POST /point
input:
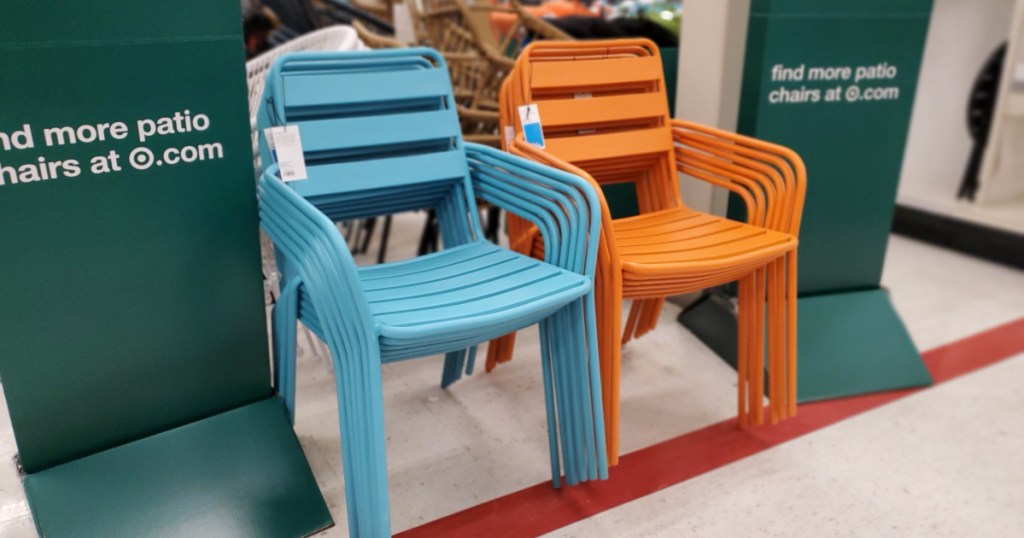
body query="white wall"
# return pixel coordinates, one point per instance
(961, 36)
(711, 50)
(1002, 176)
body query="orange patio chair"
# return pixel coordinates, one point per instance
(605, 117)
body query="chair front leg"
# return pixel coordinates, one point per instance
(608, 298)
(363, 454)
(284, 318)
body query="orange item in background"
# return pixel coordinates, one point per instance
(502, 22)
(605, 117)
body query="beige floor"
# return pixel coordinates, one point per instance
(948, 461)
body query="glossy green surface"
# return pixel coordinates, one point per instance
(134, 356)
(854, 343)
(132, 300)
(853, 150)
(238, 474)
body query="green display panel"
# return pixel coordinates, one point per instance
(131, 287)
(240, 473)
(835, 81)
(854, 343)
(134, 350)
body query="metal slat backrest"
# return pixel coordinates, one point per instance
(379, 130)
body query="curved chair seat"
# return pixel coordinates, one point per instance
(479, 288)
(457, 298)
(678, 243)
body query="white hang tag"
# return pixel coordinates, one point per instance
(403, 23)
(269, 137)
(286, 147)
(529, 118)
(510, 135)
(1018, 73)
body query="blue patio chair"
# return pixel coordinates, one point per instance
(380, 135)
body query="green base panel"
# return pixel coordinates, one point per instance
(621, 198)
(241, 473)
(848, 343)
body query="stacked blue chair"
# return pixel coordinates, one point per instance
(380, 135)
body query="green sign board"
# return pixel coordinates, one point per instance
(835, 81)
(131, 299)
(128, 221)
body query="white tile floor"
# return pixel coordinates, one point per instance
(948, 461)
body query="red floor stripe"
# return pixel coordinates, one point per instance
(540, 509)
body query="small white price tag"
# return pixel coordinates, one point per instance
(269, 137)
(529, 118)
(1018, 73)
(286, 146)
(510, 135)
(402, 18)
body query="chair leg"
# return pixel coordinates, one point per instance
(428, 240)
(570, 358)
(550, 357)
(776, 344)
(500, 350)
(757, 305)
(369, 225)
(493, 220)
(643, 318)
(453, 363)
(594, 372)
(549, 406)
(571, 423)
(364, 459)
(471, 360)
(577, 360)
(743, 352)
(631, 320)
(791, 340)
(284, 317)
(649, 317)
(608, 299)
(385, 234)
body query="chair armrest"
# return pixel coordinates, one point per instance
(771, 179)
(314, 249)
(564, 207)
(608, 251)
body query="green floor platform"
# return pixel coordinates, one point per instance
(237, 474)
(848, 343)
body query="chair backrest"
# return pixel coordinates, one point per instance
(332, 38)
(379, 132)
(603, 108)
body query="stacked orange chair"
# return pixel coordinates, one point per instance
(605, 117)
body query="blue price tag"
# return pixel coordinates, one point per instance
(529, 118)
